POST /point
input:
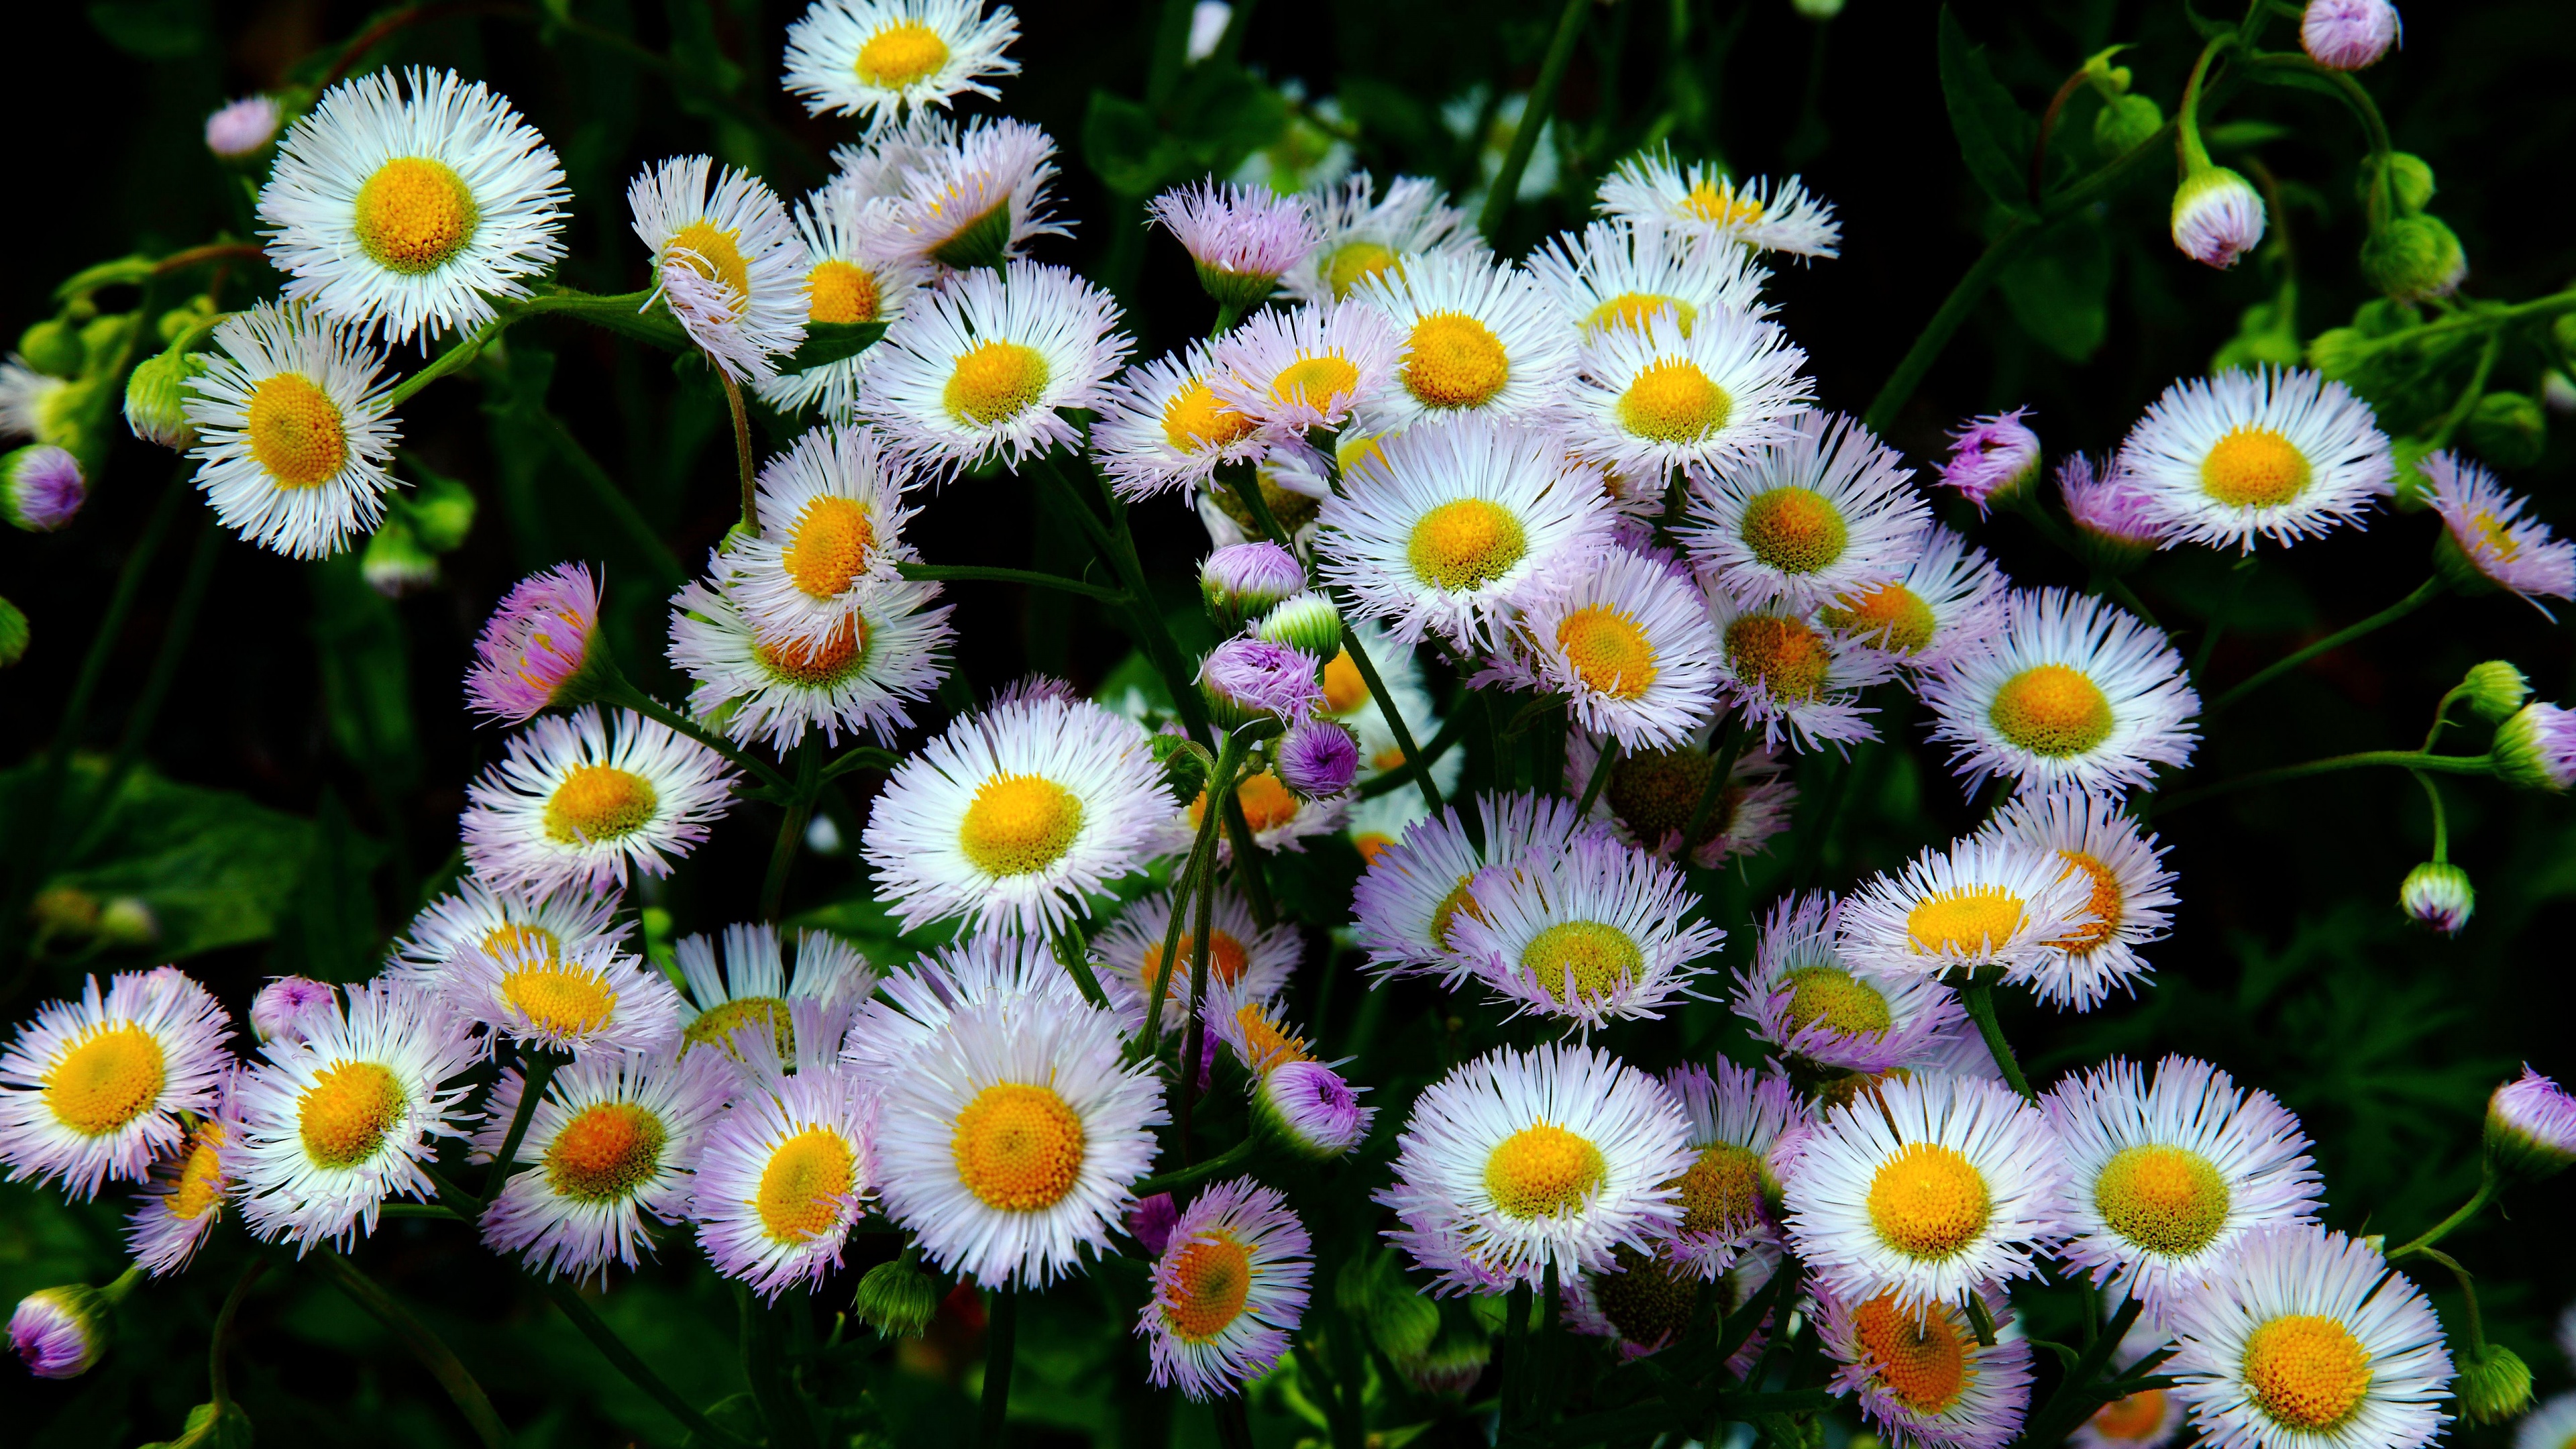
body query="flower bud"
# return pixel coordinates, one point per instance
(2508, 429)
(1151, 1221)
(1455, 1360)
(2438, 894)
(2494, 1385)
(2348, 34)
(1185, 768)
(1306, 1109)
(53, 347)
(156, 396)
(2414, 257)
(279, 1011)
(1245, 680)
(442, 513)
(1242, 580)
(2110, 514)
(1993, 459)
(1307, 623)
(2217, 217)
(1318, 759)
(128, 921)
(14, 633)
(541, 647)
(1373, 1290)
(2409, 180)
(2536, 748)
(2495, 689)
(1240, 237)
(2412, 488)
(2531, 1128)
(41, 487)
(61, 1333)
(2125, 122)
(2338, 352)
(394, 563)
(240, 131)
(897, 1299)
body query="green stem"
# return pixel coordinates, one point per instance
(1515, 1353)
(2470, 394)
(2071, 1403)
(1418, 767)
(2487, 1185)
(791, 832)
(668, 574)
(156, 685)
(540, 1070)
(1069, 954)
(1245, 480)
(1181, 1177)
(433, 1353)
(622, 692)
(780, 1409)
(1811, 847)
(2441, 825)
(2424, 594)
(2400, 759)
(2195, 156)
(1978, 995)
(2468, 1292)
(741, 448)
(1534, 117)
(2216, 628)
(961, 572)
(1118, 550)
(1394, 717)
(637, 1372)
(218, 1378)
(1600, 776)
(2478, 319)
(1721, 766)
(1249, 874)
(1194, 1032)
(1001, 1329)
(1201, 862)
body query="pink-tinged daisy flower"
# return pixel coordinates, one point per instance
(1985, 901)
(2531, 1126)
(832, 516)
(880, 60)
(1700, 199)
(583, 799)
(1361, 238)
(613, 1139)
(1258, 1033)
(2163, 1177)
(1310, 1110)
(1815, 1009)
(1620, 274)
(1244, 679)
(241, 129)
(2487, 539)
(500, 919)
(294, 433)
(1743, 1126)
(887, 652)
(1594, 932)
(1011, 1143)
(2073, 693)
(2112, 514)
(1993, 459)
(336, 1123)
(1651, 396)
(726, 261)
(2348, 34)
(540, 649)
(983, 368)
(2550, 1426)
(1653, 793)
(1628, 644)
(1229, 1287)
(1242, 238)
(2217, 216)
(884, 163)
(2147, 1419)
(2283, 455)
(62, 1332)
(913, 1006)
(974, 203)
(281, 1006)
(1520, 1160)
(1318, 760)
(780, 1177)
(1477, 336)
(1243, 959)
(1162, 426)
(2535, 748)
(2303, 1339)
(1796, 678)
(188, 1191)
(41, 488)
(1823, 512)
(91, 1091)
(1949, 598)
(1294, 369)
(753, 988)
(845, 282)
(2130, 893)
(1923, 1189)
(1919, 1374)
(592, 1000)
(1410, 900)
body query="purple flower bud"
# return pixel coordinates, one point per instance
(2348, 34)
(2217, 217)
(2536, 748)
(2531, 1127)
(238, 131)
(1151, 1222)
(1247, 679)
(1310, 1108)
(1245, 579)
(1993, 459)
(1318, 759)
(534, 650)
(2439, 895)
(60, 1332)
(2109, 510)
(1241, 237)
(41, 487)
(284, 1004)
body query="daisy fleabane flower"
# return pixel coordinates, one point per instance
(1824, 511)
(1253, 963)
(347, 1116)
(1797, 679)
(831, 519)
(1654, 189)
(2163, 1177)
(1629, 645)
(1919, 1374)
(2130, 891)
(1993, 459)
(913, 1006)
(780, 1178)
(189, 1189)
(886, 652)
(1363, 235)
(1653, 396)
(1477, 336)
(410, 204)
(478, 915)
(845, 282)
(879, 59)
(2530, 1128)
(1229, 1287)
(1619, 274)
(2072, 692)
(983, 368)
(613, 1139)
(2489, 540)
(2283, 455)
(538, 648)
(1162, 426)
(91, 1091)
(1410, 900)
(1813, 1008)
(2304, 1339)
(1923, 1189)
(1012, 1141)
(1241, 238)
(753, 986)
(973, 202)
(726, 261)
(1742, 1124)
(2111, 513)
(1596, 931)
(1985, 901)
(1519, 1160)
(1949, 598)
(294, 433)
(1293, 369)
(591, 999)
(584, 799)
(240, 130)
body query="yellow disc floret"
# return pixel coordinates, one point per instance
(1344, 689)
(1890, 616)
(901, 54)
(717, 1024)
(1843, 1003)
(1633, 309)
(1019, 824)
(1718, 202)
(1722, 1190)
(1018, 1147)
(1672, 401)
(559, 999)
(2052, 710)
(807, 1184)
(829, 545)
(1599, 958)
(1608, 651)
(1315, 381)
(599, 802)
(1928, 1201)
(1355, 262)
(819, 662)
(1544, 1171)
(296, 431)
(511, 941)
(1226, 958)
(2163, 1198)
(1196, 420)
(1965, 921)
(839, 291)
(606, 1153)
(714, 253)
(201, 1178)
(2306, 1371)
(1465, 544)
(2254, 468)
(110, 1076)
(1923, 1361)
(1454, 361)
(346, 1114)
(1795, 530)
(414, 215)
(1783, 655)
(1444, 916)
(2103, 902)
(1210, 1281)
(995, 382)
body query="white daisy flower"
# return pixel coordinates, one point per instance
(1920, 1376)
(781, 1176)
(1948, 599)
(1229, 1288)
(1409, 899)
(1795, 678)
(1012, 1143)
(2489, 539)
(2163, 1179)
(189, 1189)
(582, 799)
(1294, 369)
(974, 203)
(1243, 959)
(1985, 901)
(1162, 426)
(499, 920)
(753, 986)
(1923, 1189)
(884, 655)
(1449, 527)
(726, 261)
(2130, 887)
(1652, 397)
(914, 1005)
(2281, 455)
(1364, 238)
(1699, 199)
(1743, 1125)
(293, 434)
(1477, 336)
(613, 1139)
(1827, 512)
(346, 1115)
(2304, 1339)
(831, 520)
(1518, 1161)
(1374, 824)
(1628, 644)
(1652, 794)
(2070, 692)
(984, 367)
(1014, 816)
(844, 283)
(91, 1091)
(590, 1000)
(884, 163)
(1594, 932)
(1810, 1006)
(877, 59)
(408, 205)
(1620, 274)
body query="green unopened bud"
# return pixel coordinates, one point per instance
(212, 1426)
(2111, 80)
(2438, 894)
(2495, 689)
(2410, 183)
(14, 633)
(2563, 332)
(2414, 491)
(2125, 123)
(2509, 429)
(1241, 291)
(127, 921)
(1307, 623)
(176, 322)
(395, 564)
(442, 513)
(897, 1299)
(2337, 352)
(2414, 257)
(156, 396)
(1185, 765)
(104, 336)
(1403, 1322)
(2494, 1385)
(52, 347)
(1454, 1361)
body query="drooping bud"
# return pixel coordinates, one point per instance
(1373, 1291)
(394, 563)
(62, 1332)
(156, 396)
(52, 346)
(1307, 623)
(442, 513)
(2110, 513)
(1245, 680)
(541, 647)
(2494, 1385)
(278, 1012)
(896, 1298)
(2536, 748)
(2438, 894)
(128, 921)
(1308, 1110)
(1243, 580)
(1455, 1360)
(14, 633)
(2495, 689)
(41, 487)
(2217, 216)
(2508, 429)
(243, 129)
(2409, 180)
(2125, 122)
(1318, 759)
(2414, 257)
(2531, 1128)
(2348, 34)
(1993, 459)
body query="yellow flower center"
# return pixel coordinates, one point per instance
(1444, 916)
(717, 1024)
(1195, 421)
(1847, 1005)
(2254, 468)
(1316, 381)
(1266, 1043)
(1226, 958)
(1344, 689)
(1784, 656)
(296, 431)
(2165, 1199)
(1018, 1148)
(1291, 510)
(839, 291)
(802, 1191)
(1597, 957)
(1608, 651)
(1794, 530)
(111, 1075)
(511, 941)
(715, 254)
(1922, 1361)
(2103, 901)
(1544, 1171)
(2133, 1417)
(1965, 921)
(415, 214)
(1928, 1201)
(829, 546)
(201, 1177)
(1654, 792)
(1211, 1281)
(2306, 1371)
(2491, 536)
(1454, 361)
(564, 1000)
(346, 1114)
(606, 1153)
(1633, 309)
(1355, 262)
(901, 54)
(1717, 202)
(1370, 845)
(599, 802)
(995, 382)
(1266, 803)
(818, 663)
(1722, 1190)
(1465, 544)
(1672, 401)
(1890, 616)
(2052, 710)
(1019, 824)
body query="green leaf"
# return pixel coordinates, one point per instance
(155, 29)
(330, 934)
(1124, 148)
(1996, 136)
(1225, 113)
(830, 342)
(2059, 289)
(212, 1426)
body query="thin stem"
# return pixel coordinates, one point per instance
(1515, 1355)
(1249, 876)
(2442, 714)
(2425, 593)
(741, 449)
(791, 832)
(1194, 1035)
(669, 575)
(1245, 480)
(1154, 635)
(1534, 117)
(2195, 156)
(433, 1353)
(540, 1070)
(960, 572)
(637, 1372)
(1394, 717)
(1069, 954)
(2468, 320)
(2048, 127)
(2469, 395)
(2468, 1292)
(1181, 1177)
(1202, 861)
(218, 1377)
(1600, 776)
(1001, 1328)
(460, 352)
(1721, 767)
(223, 253)
(156, 685)
(2127, 598)
(1811, 848)
(2441, 824)
(779, 1407)
(1979, 997)
(2216, 628)
(1452, 730)
(2401, 759)
(2487, 1185)
(621, 692)
(2071, 1402)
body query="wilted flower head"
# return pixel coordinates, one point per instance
(2348, 34)
(2217, 216)
(41, 487)
(1993, 459)
(1246, 679)
(239, 131)
(538, 648)
(1241, 237)
(2531, 1127)
(2438, 894)
(1318, 759)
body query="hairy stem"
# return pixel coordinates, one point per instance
(2425, 593)
(432, 1351)
(2487, 1186)
(540, 1070)
(1394, 717)
(1001, 1329)
(2400, 759)
(1978, 995)
(218, 1376)
(1534, 117)
(959, 572)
